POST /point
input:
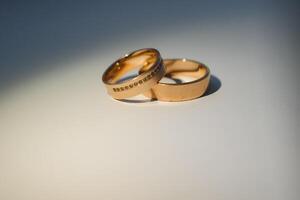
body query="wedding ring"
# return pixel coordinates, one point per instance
(153, 70)
(176, 68)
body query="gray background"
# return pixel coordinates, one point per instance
(63, 137)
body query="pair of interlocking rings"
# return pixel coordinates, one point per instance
(152, 68)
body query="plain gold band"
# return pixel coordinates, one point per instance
(181, 91)
(153, 70)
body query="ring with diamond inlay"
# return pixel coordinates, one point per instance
(153, 70)
(175, 69)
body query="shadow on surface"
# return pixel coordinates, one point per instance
(214, 85)
(136, 100)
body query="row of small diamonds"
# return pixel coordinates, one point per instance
(140, 82)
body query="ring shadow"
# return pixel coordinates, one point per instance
(214, 85)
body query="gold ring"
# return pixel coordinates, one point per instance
(176, 68)
(153, 70)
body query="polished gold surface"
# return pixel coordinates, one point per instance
(153, 70)
(177, 68)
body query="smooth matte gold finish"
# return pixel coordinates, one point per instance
(153, 70)
(176, 68)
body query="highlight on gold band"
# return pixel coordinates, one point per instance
(176, 69)
(153, 70)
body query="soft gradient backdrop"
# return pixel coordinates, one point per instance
(63, 138)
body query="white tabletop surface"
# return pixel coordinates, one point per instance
(63, 137)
